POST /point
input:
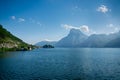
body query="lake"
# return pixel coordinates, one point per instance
(61, 64)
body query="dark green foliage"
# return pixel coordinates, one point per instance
(7, 38)
(6, 34)
(48, 46)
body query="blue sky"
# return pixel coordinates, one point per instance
(37, 20)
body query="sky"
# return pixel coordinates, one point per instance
(37, 20)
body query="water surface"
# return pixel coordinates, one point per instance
(61, 64)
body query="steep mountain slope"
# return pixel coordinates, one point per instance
(74, 39)
(7, 40)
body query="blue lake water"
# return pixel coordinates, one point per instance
(61, 64)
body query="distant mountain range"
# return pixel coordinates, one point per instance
(9, 42)
(46, 42)
(114, 43)
(76, 38)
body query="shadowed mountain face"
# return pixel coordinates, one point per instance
(95, 41)
(77, 39)
(113, 43)
(74, 39)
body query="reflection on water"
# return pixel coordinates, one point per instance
(61, 64)
(6, 54)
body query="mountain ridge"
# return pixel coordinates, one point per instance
(73, 39)
(79, 39)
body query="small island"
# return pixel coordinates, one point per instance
(47, 46)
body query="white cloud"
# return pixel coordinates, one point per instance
(18, 19)
(116, 29)
(103, 9)
(21, 20)
(110, 25)
(112, 28)
(13, 17)
(34, 21)
(68, 26)
(47, 40)
(83, 28)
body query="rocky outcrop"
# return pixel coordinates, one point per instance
(8, 45)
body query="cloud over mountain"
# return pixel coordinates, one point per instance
(83, 28)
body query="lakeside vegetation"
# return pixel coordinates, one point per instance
(48, 46)
(9, 42)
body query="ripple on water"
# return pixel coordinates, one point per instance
(62, 64)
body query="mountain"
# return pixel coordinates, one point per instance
(10, 42)
(73, 39)
(46, 42)
(77, 39)
(113, 43)
(95, 40)
(101, 40)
